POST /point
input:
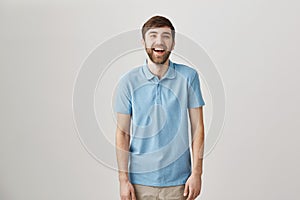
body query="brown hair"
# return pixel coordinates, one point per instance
(157, 22)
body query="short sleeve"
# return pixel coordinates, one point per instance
(123, 98)
(195, 98)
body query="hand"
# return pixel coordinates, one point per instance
(127, 190)
(192, 186)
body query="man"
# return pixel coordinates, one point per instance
(154, 160)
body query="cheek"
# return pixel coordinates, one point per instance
(148, 43)
(172, 45)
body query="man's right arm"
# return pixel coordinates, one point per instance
(122, 149)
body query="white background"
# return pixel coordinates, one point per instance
(254, 45)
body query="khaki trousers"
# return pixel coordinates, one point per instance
(143, 192)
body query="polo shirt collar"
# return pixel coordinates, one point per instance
(170, 74)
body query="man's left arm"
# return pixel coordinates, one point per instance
(193, 184)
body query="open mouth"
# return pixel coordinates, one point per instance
(158, 50)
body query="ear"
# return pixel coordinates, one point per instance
(143, 42)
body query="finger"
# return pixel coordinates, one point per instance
(197, 194)
(191, 195)
(124, 198)
(133, 197)
(186, 190)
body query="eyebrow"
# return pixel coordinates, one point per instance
(162, 32)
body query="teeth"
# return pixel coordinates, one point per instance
(158, 49)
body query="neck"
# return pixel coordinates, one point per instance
(158, 69)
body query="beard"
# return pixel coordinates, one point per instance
(158, 59)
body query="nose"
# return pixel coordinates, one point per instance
(159, 40)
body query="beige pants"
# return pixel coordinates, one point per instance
(143, 192)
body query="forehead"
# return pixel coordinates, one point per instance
(160, 30)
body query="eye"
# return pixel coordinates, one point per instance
(166, 36)
(152, 36)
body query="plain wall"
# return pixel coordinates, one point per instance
(254, 45)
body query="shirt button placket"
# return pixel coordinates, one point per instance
(158, 88)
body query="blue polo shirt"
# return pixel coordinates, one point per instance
(159, 142)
